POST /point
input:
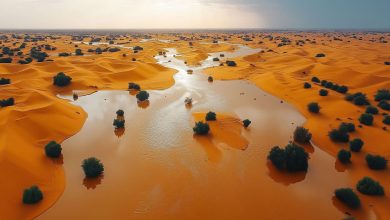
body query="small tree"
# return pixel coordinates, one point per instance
(315, 79)
(338, 135)
(386, 120)
(366, 119)
(79, 52)
(32, 195)
(120, 112)
(320, 55)
(211, 116)
(231, 63)
(313, 107)
(369, 186)
(348, 197)
(382, 94)
(61, 79)
(201, 128)
(323, 92)
(210, 79)
(4, 81)
(134, 86)
(119, 123)
(342, 89)
(356, 145)
(376, 162)
(302, 135)
(142, 96)
(371, 110)
(246, 122)
(384, 105)
(347, 127)
(92, 167)
(7, 102)
(344, 156)
(53, 149)
(293, 158)
(307, 85)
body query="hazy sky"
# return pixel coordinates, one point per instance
(59, 14)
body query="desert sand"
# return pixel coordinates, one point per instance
(39, 116)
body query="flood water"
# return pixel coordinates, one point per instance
(157, 169)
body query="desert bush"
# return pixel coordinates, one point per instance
(210, 79)
(376, 162)
(32, 195)
(64, 54)
(201, 128)
(358, 98)
(79, 52)
(292, 158)
(215, 59)
(113, 49)
(366, 119)
(344, 156)
(302, 135)
(315, 79)
(369, 186)
(136, 48)
(7, 102)
(92, 167)
(372, 110)
(313, 107)
(384, 105)
(119, 123)
(120, 112)
(382, 94)
(142, 96)
(61, 79)
(246, 122)
(323, 92)
(338, 135)
(6, 60)
(342, 89)
(386, 119)
(231, 63)
(320, 55)
(211, 116)
(356, 145)
(134, 86)
(347, 127)
(307, 85)
(53, 149)
(4, 81)
(348, 197)
(329, 85)
(324, 82)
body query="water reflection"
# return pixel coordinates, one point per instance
(119, 132)
(143, 104)
(284, 177)
(92, 183)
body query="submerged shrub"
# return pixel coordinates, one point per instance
(142, 96)
(7, 102)
(53, 149)
(313, 107)
(376, 162)
(307, 85)
(201, 128)
(292, 158)
(386, 119)
(61, 79)
(344, 156)
(315, 79)
(92, 167)
(369, 186)
(32, 195)
(356, 145)
(302, 135)
(120, 112)
(119, 123)
(211, 116)
(338, 135)
(134, 86)
(347, 127)
(348, 197)
(371, 110)
(384, 105)
(366, 119)
(4, 81)
(382, 94)
(246, 122)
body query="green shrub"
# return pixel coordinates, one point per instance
(79, 52)
(6, 60)
(92, 167)
(313, 107)
(61, 79)
(302, 135)
(382, 94)
(366, 119)
(338, 135)
(371, 110)
(201, 128)
(356, 145)
(134, 86)
(120, 112)
(53, 149)
(7, 102)
(347, 127)
(329, 85)
(246, 122)
(211, 116)
(383, 104)
(348, 197)
(142, 96)
(231, 63)
(358, 98)
(4, 81)
(342, 89)
(32, 195)
(210, 79)
(293, 158)
(369, 186)
(324, 82)
(376, 162)
(320, 55)
(344, 156)
(119, 123)
(315, 79)
(323, 92)
(307, 85)
(386, 119)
